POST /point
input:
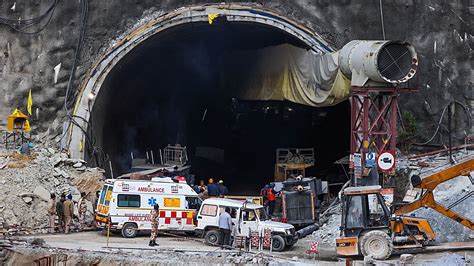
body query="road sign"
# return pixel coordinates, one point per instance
(357, 165)
(386, 161)
(370, 160)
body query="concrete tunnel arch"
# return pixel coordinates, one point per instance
(195, 14)
(237, 13)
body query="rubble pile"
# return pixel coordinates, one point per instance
(26, 182)
(329, 230)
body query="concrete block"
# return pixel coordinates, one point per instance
(406, 259)
(42, 193)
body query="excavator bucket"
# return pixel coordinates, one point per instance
(347, 246)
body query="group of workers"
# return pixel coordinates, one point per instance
(64, 211)
(211, 190)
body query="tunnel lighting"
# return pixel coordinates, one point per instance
(91, 96)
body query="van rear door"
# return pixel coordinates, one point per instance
(208, 216)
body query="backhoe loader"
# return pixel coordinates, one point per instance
(368, 227)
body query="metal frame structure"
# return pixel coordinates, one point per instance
(373, 120)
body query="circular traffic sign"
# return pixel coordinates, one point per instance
(386, 161)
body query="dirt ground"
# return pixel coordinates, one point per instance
(172, 250)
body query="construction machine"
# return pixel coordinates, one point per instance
(369, 227)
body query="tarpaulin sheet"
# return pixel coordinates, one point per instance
(286, 72)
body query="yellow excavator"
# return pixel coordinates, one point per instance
(368, 227)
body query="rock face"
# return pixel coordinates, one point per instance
(41, 62)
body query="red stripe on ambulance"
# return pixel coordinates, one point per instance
(167, 217)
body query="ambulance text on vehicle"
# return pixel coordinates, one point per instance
(128, 203)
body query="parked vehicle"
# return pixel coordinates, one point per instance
(246, 217)
(127, 203)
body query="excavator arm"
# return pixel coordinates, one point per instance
(428, 184)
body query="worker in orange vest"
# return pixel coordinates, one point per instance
(271, 198)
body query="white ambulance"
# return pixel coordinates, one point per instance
(128, 203)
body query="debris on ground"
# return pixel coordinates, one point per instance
(26, 182)
(29, 253)
(448, 259)
(329, 230)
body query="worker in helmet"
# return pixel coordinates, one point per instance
(222, 189)
(212, 189)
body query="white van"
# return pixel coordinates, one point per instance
(246, 217)
(128, 204)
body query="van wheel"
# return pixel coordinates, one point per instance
(278, 243)
(129, 230)
(213, 237)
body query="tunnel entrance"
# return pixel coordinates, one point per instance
(173, 88)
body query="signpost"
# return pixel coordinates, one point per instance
(386, 161)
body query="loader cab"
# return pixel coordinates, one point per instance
(363, 208)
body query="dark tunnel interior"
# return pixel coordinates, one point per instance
(170, 90)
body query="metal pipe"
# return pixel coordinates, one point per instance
(161, 157)
(450, 135)
(303, 232)
(111, 170)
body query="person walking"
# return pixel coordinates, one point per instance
(60, 212)
(212, 189)
(52, 212)
(223, 191)
(225, 227)
(271, 198)
(154, 225)
(82, 210)
(68, 208)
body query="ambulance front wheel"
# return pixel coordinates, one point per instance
(129, 230)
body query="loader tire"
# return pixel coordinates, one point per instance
(377, 244)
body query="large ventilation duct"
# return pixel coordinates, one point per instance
(378, 61)
(298, 75)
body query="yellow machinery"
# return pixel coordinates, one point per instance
(369, 228)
